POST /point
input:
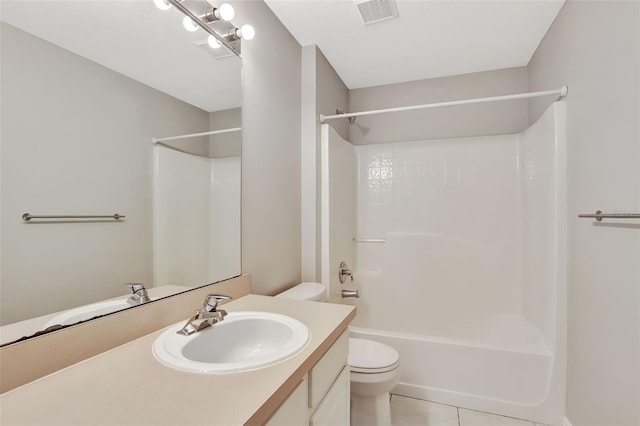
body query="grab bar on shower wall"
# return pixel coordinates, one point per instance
(27, 217)
(369, 240)
(598, 215)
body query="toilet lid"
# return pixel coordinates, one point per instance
(367, 356)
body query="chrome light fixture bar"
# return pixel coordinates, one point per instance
(212, 15)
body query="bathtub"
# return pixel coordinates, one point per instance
(458, 248)
(511, 374)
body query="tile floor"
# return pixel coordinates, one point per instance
(415, 412)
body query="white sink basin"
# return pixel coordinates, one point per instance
(86, 312)
(243, 341)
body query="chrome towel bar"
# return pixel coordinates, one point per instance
(598, 215)
(27, 217)
(368, 240)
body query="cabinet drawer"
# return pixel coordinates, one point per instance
(324, 373)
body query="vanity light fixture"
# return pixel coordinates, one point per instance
(189, 24)
(225, 12)
(215, 20)
(162, 4)
(213, 42)
(247, 32)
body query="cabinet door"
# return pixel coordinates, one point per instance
(324, 373)
(334, 408)
(294, 411)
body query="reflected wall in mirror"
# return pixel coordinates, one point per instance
(85, 88)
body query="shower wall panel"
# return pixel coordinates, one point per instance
(194, 241)
(224, 223)
(450, 214)
(542, 161)
(181, 213)
(461, 262)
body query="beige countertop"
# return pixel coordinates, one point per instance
(128, 386)
(16, 330)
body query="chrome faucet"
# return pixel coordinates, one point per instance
(139, 294)
(206, 316)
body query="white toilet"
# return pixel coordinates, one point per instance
(374, 367)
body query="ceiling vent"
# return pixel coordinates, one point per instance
(373, 11)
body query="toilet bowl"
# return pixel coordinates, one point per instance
(374, 372)
(374, 367)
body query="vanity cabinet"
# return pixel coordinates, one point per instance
(322, 398)
(294, 411)
(333, 410)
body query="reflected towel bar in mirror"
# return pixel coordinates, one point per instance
(368, 240)
(599, 215)
(27, 217)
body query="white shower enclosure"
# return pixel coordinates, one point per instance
(458, 252)
(196, 218)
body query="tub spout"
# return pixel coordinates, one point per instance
(351, 293)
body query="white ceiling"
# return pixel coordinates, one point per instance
(137, 40)
(429, 38)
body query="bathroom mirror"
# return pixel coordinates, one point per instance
(87, 88)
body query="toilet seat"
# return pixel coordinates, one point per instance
(370, 357)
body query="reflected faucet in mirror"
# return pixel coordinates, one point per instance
(139, 294)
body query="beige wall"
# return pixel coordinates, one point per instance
(309, 205)
(225, 144)
(323, 91)
(594, 47)
(76, 139)
(270, 151)
(331, 94)
(460, 121)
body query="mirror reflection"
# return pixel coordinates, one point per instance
(93, 96)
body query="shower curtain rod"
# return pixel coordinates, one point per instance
(562, 92)
(193, 135)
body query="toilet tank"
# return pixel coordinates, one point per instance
(305, 291)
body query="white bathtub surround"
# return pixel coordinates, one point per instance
(469, 284)
(338, 193)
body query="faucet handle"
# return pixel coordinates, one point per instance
(135, 287)
(139, 294)
(212, 300)
(344, 272)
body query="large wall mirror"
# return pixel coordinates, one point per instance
(93, 94)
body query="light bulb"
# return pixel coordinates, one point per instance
(162, 4)
(226, 12)
(189, 25)
(213, 42)
(247, 32)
